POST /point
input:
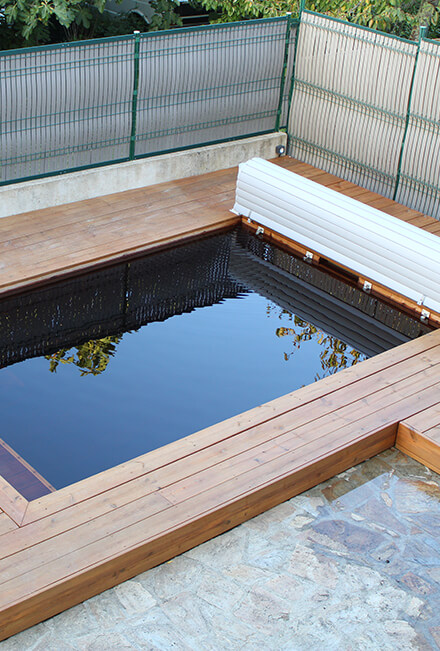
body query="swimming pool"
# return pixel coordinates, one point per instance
(104, 367)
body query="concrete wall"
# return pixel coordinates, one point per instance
(66, 188)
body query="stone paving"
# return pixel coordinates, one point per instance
(352, 564)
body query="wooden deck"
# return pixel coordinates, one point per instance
(59, 549)
(46, 244)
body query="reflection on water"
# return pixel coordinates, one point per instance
(146, 352)
(91, 357)
(335, 354)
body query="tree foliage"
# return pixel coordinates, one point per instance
(165, 15)
(91, 358)
(232, 10)
(29, 15)
(401, 17)
(36, 22)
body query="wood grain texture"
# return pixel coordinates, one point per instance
(59, 549)
(424, 448)
(12, 502)
(6, 523)
(426, 420)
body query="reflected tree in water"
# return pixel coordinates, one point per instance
(335, 354)
(91, 357)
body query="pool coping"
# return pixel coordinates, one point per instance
(82, 512)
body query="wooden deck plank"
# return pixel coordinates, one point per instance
(112, 206)
(181, 191)
(132, 532)
(62, 593)
(128, 525)
(55, 230)
(12, 502)
(419, 220)
(106, 224)
(89, 258)
(278, 458)
(433, 228)
(433, 433)
(425, 420)
(175, 541)
(6, 524)
(108, 235)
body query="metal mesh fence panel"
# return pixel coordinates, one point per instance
(71, 106)
(364, 105)
(213, 83)
(349, 100)
(419, 185)
(64, 107)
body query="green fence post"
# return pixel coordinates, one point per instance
(283, 74)
(302, 5)
(134, 99)
(422, 34)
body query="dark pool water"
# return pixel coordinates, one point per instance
(81, 407)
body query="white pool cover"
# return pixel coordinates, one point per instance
(383, 248)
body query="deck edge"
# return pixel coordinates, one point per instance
(417, 446)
